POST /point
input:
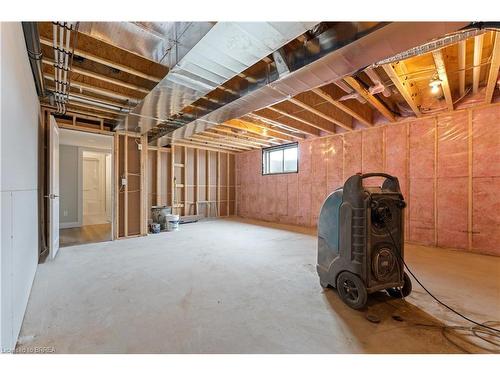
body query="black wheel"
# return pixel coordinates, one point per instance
(351, 290)
(402, 292)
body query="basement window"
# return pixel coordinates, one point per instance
(280, 159)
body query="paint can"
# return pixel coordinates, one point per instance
(159, 214)
(155, 228)
(172, 223)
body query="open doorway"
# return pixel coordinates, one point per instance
(86, 185)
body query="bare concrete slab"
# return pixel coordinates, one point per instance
(239, 286)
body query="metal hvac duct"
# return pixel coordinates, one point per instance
(225, 51)
(164, 42)
(32, 39)
(327, 58)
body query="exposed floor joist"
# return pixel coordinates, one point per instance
(86, 87)
(107, 62)
(235, 138)
(248, 126)
(462, 53)
(476, 70)
(244, 133)
(328, 96)
(375, 102)
(333, 121)
(494, 68)
(100, 77)
(443, 77)
(267, 127)
(399, 76)
(287, 120)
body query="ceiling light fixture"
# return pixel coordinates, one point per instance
(434, 84)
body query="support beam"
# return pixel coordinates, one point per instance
(462, 48)
(342, 106)
(375, 102)
(478, 54)
(397, 72)
(494, 67)
(445, 85)
(107, 62)
(252, 128)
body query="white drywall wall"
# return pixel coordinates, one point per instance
(68, 185)
(18, 182)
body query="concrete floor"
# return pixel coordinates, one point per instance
(232, 286)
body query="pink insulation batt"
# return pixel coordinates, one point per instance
(448, 168)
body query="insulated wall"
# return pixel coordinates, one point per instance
(19, 182)
(448, 167)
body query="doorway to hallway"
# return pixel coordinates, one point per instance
(86, 184)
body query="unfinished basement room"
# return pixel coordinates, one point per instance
(253, 187)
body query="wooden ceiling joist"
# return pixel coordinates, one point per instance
(235, 138)
(205, 144)
(443, 77)
(223, 139)
(398, 74)
(364, 118)
(288, 120)
(251, 118)
(326, 128)
(494, 68)
(250, 127)
(94, 108)
(77, 112)
(277, 124)
(476, 70)
(202, 146)
(107, 62)
(462, 53)
(198, 138)
(101, 77)
(104, 92)
(245, 134)
(374, 101)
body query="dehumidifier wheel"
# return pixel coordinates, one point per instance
(405, 289)
(351, 290)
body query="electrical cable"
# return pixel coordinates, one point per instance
(432, 295)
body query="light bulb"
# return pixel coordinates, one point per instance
(435, 89)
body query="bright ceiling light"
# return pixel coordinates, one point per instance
(434, 84)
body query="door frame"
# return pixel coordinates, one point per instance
(52, 194)
(105, 151)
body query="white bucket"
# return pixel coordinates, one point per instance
(172, 222)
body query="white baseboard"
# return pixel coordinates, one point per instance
(74, 224)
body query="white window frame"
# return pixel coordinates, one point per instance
(266, 159)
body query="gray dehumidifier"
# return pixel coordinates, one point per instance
(361, 240)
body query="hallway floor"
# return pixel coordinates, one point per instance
(240, 286)
(85, 234)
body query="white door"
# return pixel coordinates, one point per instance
(53, 188)
(92, 195)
